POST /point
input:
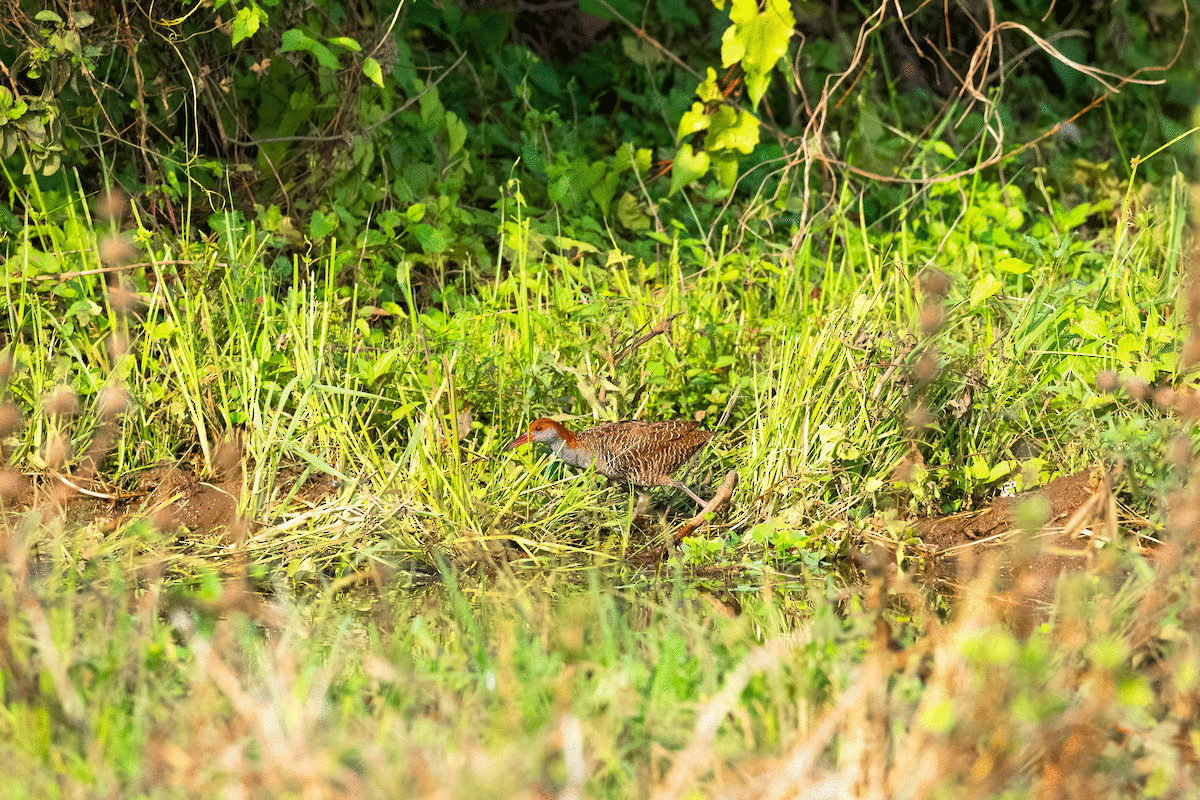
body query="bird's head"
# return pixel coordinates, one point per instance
(542, 430)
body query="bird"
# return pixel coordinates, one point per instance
(633, 452)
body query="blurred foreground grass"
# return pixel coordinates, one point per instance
(608, 683)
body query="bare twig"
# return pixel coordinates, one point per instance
(659, 328)
(719, 499)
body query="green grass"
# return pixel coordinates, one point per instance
(786, 650)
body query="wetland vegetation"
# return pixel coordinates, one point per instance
(281, 284)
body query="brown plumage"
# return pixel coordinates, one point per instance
(636, 452)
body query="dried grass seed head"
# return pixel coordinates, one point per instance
(1191, 350)
(118, 346)
(125, 301)
(1187, 406)
(935, 282)
(1180, 451)
(932, 316)
(1107, 381)
(1192, 293)
(117, 250)
(13, 485)
(918, 417)
(1164, 396)
(1137, 388)
(10, 418)
(62, 402)
(57, 451)
(927, 367)
(905, 470)
(113, 205)
(227, 455)
(113, 402)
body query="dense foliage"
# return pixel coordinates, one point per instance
(421, 142)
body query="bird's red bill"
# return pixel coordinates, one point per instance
(520, 440)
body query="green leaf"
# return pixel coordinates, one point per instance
(346, 42)
(566, 243)
(623, 158)
(1129, 349)
(48, 16)
(456, 132)
(1075, 217)
(246, 23)
(588, 175)
(1091, 323)
(688, 166)
(977, 468)
(630, 214)
(991, 646)
(84, 308)
(725, 166)
(383, 365)
(756, 85)
(1158, 782)
(35, 130)
(1014, 266)
(732, 129)
(373, 71)
(944, 150)
(1135, 690)
(604, 191)
(733, 47)
(709, 91)
(432, 240)
(642, 160)
(295, 39)
(564, 191)
(987, 286)
(1001, 470)
(321, 224)
(1014, 219)
(695, 119)
(641, 52)
(757, 40)
(163, 330)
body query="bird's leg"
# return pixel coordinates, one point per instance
(696, 497)
(642, 505)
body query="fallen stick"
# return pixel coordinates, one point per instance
(720, 498)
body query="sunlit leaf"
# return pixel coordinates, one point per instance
(688, 166)
(984, 288)
(373, 71)
(245, 23)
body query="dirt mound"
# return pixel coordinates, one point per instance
(171, 495)
(1024, 548)
(1065, 497)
